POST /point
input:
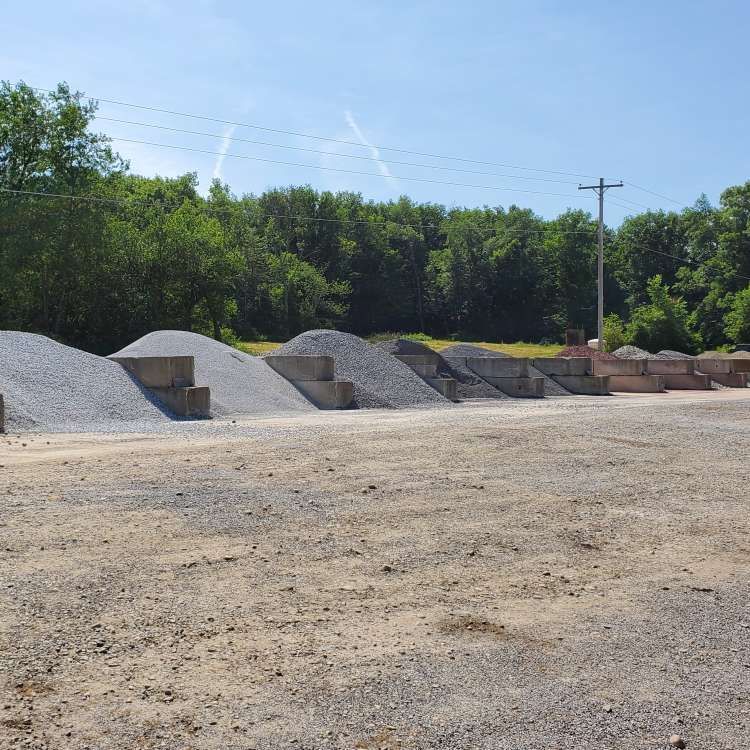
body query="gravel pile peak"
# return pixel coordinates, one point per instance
(671, 354)
(551, 387)
(470, 350)
(380, 380)
(584, 351)
(55, 388)
(468, 383)
(239, 383)
(632, 352)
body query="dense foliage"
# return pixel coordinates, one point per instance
(152, 253)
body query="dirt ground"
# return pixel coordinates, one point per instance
(573, 573)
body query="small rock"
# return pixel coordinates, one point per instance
(607, 708)
(676, 741)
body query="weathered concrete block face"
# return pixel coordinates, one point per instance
(711, 366)
(160, 372)
(499, 367)
(519, 387)
(445, 386)
(186, 402)
(563, 365)
(670, 366)
(636, 383)
(741, 365)
(731, 379)
(302, 366)
(687, 382)
(327, 394)
(588, 385)
(618, 367)
(2, 413)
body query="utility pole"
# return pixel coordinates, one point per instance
(600, 190)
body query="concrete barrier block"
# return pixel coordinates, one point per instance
(563, 365)
(627, 367)
(327, 394)
(711, 366)
(444, 386)
(2, 413)
(418, 359)
(302, 366)
(588, 385)
(519, 387)
(424, 366)
(194, 401)
(741, 365)
(636, 383)
(670, 366)
(687, 382)
(160, 372)
(499, 367)
(731, 379)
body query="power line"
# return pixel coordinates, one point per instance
(345, 171)
(320, 137)
(333, 154)
(215, 210)
(658, 195)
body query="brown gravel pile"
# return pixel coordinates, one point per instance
(584, 351)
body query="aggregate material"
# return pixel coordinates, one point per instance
(51, 387)
(672, 354)
(380, 380)
(468, 383)
(584, 351)
(551, 387)
(634, 352)
(239, 383)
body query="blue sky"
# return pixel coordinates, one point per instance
(654, 93)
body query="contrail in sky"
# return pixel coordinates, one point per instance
(225, 144)
(373, 150)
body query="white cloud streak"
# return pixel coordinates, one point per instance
(382, 166)
(225, 144)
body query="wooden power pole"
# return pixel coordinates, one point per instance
(600, 190)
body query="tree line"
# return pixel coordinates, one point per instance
(96, 256)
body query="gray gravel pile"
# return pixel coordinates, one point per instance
(671, 354)
(468, 383)
(634, 352)
(239, 383)
(380, 380)
(54, 388)
(551, 388)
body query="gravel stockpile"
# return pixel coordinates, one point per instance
(54, 388)
(468, 383)
(380, 380)
(671, 354)
(634, 352)
(584, 351)
(239, 383)
(741, 355)
(551, 387)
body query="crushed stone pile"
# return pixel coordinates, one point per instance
(634, 352)
(380, 380)
(715, 355)
(741, 355)
(240, 384)
(584, 351)
(55, 388)
(468, 383)
(671, 354)
(551, 387)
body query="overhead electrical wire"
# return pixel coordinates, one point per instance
(349, 171)
(382, 222)
(334, 154)
(299, 134)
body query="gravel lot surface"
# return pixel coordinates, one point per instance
(52, 387)
(515, 575)
(239, 383)
(380, 380)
